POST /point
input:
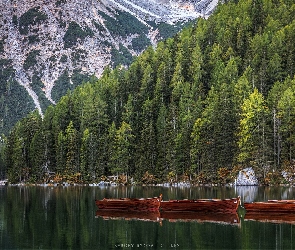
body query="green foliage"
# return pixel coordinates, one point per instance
(75, 33)
(166, 30)
(2, 158)
(122, 149)
(60, 2)
(99, 27)
(33, 39)
(252, 132)
(31, 17)
(37, 85)
(78, 78)
(14, 100)
(61, 86)
(63, 59)
(31, 59)
(78, 55)
(121, 56)
(1, 46)
(71, 143)
(220, 94)
(65, 83)
(283, 120)
(140, 43)
(14, 20)
(123, 23)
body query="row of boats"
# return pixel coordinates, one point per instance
(217, 210)
(157, 204)
(199, 205)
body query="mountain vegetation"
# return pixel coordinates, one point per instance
(49, 47)
(214, 99)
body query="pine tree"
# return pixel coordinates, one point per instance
(122, 154)
(162, 164)
(38, 156)
(146, 149)
(253, 141)
(61, 148)
(286, 113)
(49, 139)
(72, 153)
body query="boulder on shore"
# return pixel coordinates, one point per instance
(246, 177)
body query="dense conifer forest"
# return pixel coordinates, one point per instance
(216, 98)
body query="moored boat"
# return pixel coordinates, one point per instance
(279, 206)
(202, 205)
(127, 204)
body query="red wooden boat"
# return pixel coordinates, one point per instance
(127, 204)
(128, 215)
(202, 205)
(278, 206)
(201, 217)
(270, 217)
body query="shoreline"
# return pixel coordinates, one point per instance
(108, 184)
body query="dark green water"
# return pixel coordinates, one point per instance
(65, 218)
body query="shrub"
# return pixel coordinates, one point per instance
(31, 59)
(1, 46)
(31, 17)
(75, 32)
(60, 2)
(140, 43)
(63, 58)
(148, 178)
(33, 39)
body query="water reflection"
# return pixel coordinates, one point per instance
(258, 193)
(247, 193)
(200, 217)
(271, 217)
(128, 215)
(287, 193)
(65, 218)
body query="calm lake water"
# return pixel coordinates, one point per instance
(65, 218)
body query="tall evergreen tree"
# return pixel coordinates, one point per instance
(72, 153)
(38, 156)
(253, 140)
(146, 150)
(122, 154)
(286, 113)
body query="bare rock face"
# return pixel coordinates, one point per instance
(43, 42)
(246, 177)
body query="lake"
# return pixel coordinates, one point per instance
(65, 218)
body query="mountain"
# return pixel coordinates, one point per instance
(48, 47)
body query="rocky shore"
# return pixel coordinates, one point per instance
(245, 177)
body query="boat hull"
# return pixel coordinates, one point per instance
(126, 204)
(274, 206)
(202, 205)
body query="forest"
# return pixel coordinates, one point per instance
(214, 99)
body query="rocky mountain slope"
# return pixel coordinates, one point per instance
(50, 46)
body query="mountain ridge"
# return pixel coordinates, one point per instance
(48, 47)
